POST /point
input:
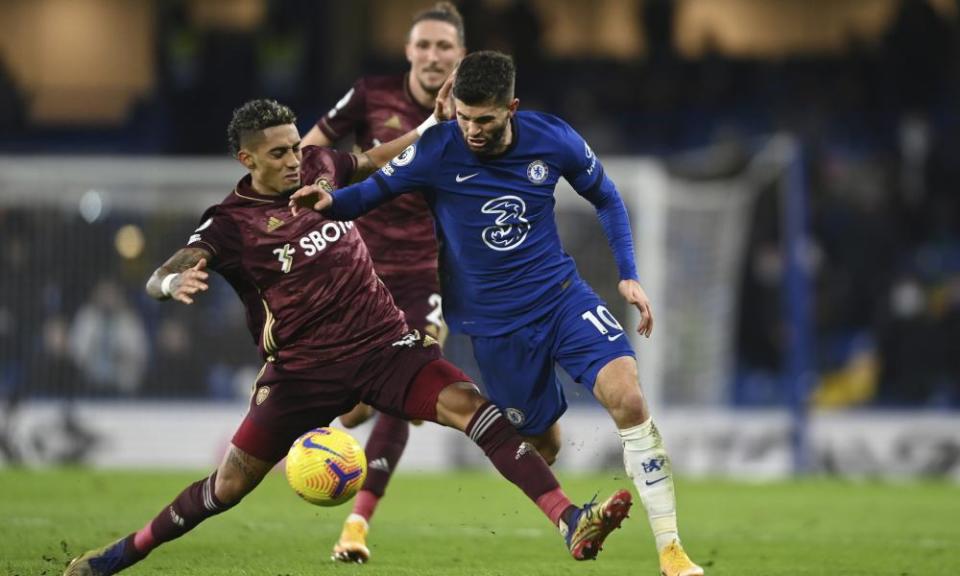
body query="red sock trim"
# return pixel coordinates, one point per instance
(143, 540)
(366, 504)
(553, 504)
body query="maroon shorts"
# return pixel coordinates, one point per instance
(417, 293)
(402, 379)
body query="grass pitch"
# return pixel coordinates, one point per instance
(475, 524)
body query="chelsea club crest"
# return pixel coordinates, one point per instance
(515, 416)
(537, 172)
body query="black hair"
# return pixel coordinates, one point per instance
(485, 77)
(254, 116)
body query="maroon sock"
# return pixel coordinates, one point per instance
(517, 461)
(195, 504)
(365, 504)
(384, 448)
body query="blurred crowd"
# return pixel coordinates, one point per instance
(84, 327)
(880, 126)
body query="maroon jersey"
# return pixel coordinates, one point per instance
(307, 283)
(399, 234)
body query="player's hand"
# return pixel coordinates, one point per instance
(634, 294)
(310, 196)
(444, 108)
(189, 282)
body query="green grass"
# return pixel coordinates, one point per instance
(474, 524)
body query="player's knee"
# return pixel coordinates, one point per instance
(630, 409)
(618, 389)
(457, 403)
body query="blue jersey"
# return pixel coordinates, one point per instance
(502, 265)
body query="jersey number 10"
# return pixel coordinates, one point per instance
(607, 320)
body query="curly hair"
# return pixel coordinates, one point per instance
(485, 77)
(254, 116)
(443, 12)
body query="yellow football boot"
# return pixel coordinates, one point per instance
(352, 546)
(675, 562)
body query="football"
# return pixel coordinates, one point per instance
(326, 466)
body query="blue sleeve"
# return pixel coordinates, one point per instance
(616, 224)
(584, 172)
(407, 172)
(358, 199)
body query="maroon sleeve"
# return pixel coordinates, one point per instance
(345, 167)
(218, 234)
(321, 163)
(349, 112)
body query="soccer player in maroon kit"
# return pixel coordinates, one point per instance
(399, 235)
(330, 336)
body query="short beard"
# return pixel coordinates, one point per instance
(494, 142)
(429, 89)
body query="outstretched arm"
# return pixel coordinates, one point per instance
(373, 159)
(315, 137)
(181, 276)
(353, 201)
(363, 196)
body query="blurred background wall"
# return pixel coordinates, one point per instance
(792, 168)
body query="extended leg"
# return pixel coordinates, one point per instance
(237, 475)
(384, 448)
(460, 405)
(645, 460)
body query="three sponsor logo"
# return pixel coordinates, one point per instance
(510, 227)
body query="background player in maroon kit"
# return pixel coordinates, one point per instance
(330, 336)
(400, 235)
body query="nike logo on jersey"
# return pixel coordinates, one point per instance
(652, 482)
(465, 178)
(612, 338)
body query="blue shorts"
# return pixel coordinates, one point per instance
(518, 368)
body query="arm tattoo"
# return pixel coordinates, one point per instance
(184, 259)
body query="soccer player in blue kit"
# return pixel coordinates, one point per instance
(490, 179)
